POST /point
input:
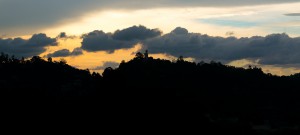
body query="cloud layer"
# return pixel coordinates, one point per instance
(272, 49)
(26, 48)
(121, 39)
(37, 14)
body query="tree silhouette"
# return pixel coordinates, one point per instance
(219, 97)
(180, 59)
(49, 59)
(139, 55)
(62, 61)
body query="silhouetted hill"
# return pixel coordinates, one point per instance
(216, 96)
(23, 80)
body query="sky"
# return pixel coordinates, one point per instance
(95, 34)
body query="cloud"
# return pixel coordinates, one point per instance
(100, 41)
(180, 31)
(27, 47)
(136, 33)
(66, 53)
(121, 39)
(292, 14)
(76, 52)
(60, 53)
(272, 49)
(229, 33)
(63, 35)
(106, 65)
(31, 15)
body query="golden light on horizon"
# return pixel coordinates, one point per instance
(240, 21)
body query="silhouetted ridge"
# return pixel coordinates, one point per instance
(220, 98)
(46, 80)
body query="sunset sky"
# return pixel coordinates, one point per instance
(95, 34)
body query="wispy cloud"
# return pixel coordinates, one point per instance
(19, 15)
(107, 64)
(66, 53)
(292, 14)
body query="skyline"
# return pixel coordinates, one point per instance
(92, 34)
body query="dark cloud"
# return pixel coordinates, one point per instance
(26, 48)
(24, 17)
(136, 33)
(272, 49)
(292, 14)
(66, 53)
(179, 31)
(229, 33)
(100, 41)
(76, 52)
(41, 40)
(106, 65)
(60, 53)
(62, 35)
(121, 39)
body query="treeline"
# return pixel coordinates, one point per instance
(46, 80)
(145, 76)
(246, 101)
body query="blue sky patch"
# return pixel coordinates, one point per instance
(231, 23)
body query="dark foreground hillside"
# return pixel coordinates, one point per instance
(216, 97)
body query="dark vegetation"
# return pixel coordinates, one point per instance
(217, 97)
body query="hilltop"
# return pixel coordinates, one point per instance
(221, 96)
